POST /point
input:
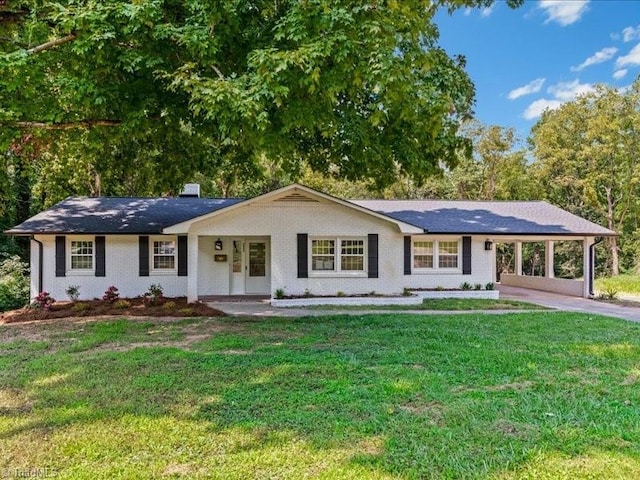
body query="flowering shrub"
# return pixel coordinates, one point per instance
(111, 294)
(43, 301)
(153, 296)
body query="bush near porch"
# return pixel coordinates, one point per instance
(536, 395)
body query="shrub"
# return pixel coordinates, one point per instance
(340, 293)
(477, 286)
(439, 288)
(111, 294)
(186, 311)
(169, 305)
(490, 286)
(80, 307)
(153, 296)
(122, 304)
(43, 301)
(14, 283)
(466, 286)
(406, 292)
(307, 293)
(609, 293)
(279, 293)
(73, 292)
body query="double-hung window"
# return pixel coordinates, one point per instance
(164, 255)
(338, 255)
(81, 255)
(436, 254)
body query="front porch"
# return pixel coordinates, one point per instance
(229, 268)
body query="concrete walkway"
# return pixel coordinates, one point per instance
(547, 299)
(570, 304)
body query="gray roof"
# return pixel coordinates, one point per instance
(486, 218)
(119, 215)
(113, 215)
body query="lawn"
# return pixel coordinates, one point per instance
(443, 304)
(536, 395)
(629, 284)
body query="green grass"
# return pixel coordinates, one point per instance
(529, 395)
(443, 304)
(629, 284)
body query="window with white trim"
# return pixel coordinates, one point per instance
(426, 252)
(338, 255)
(164, 255)
(81, 255)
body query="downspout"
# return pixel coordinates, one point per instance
(592, 263)
(40, 262)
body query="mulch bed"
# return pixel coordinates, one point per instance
(171, 307)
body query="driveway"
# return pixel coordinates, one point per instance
(571, 304)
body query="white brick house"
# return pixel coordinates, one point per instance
(295, 238)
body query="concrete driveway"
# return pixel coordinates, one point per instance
(571, 304)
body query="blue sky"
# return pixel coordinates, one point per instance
(542, 54)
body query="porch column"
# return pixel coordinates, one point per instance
(518, 258)
(548, 259)
(586, 265)
(192, 263)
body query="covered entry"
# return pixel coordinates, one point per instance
(249, 268)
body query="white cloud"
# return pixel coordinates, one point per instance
(632, 58)
(485, 12)
(630, 33)
(562, 92)
(566, 91)
(531, 87)
(564, 12)
(598, 57)
(536, 108)
(618, 74)
(467, 11)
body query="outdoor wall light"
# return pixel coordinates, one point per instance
(218, 244)
(488, 245)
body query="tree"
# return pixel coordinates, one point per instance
(498, 168)
(587, 155)
(139, 95)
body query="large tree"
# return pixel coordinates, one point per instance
(132, 97)
(587, 155)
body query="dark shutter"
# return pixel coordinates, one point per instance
(143, 256)
(61, 256)
(466, 255)
(100, 257)
(372, 253)
(182, 256)
(303, 255)
(407, 255)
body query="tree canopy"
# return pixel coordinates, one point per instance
(134, 97)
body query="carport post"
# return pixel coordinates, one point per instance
(586, 269)
(518, 258)
(548, 259)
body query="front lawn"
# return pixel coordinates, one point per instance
(536, 395)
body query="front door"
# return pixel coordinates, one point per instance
(250, 266)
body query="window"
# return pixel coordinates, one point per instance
(422, 254)
(448, 254)
(338, 255)
(323, 254)
(426, 251)
(352, 255)
(81, 255)
(164, 254)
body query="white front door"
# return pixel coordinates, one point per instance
(250, 266)
(237, 267)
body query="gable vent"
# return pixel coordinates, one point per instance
(295, 197)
